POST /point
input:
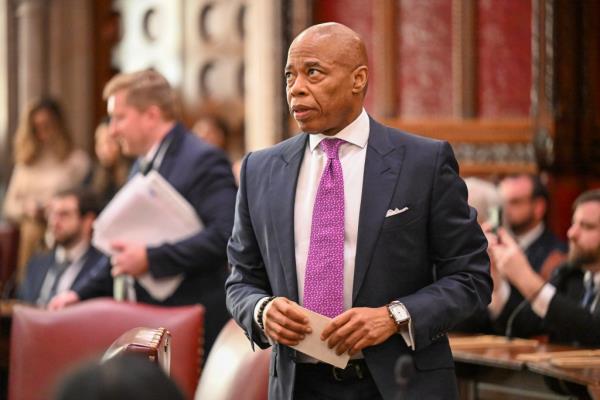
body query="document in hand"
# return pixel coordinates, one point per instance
(147, 210)
(313, 346)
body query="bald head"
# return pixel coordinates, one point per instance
(347, 48)
(326, 78)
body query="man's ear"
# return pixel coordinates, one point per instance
(87, 220)
(539, 208)
(154, 112)
(360, 77)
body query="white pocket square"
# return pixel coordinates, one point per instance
(395, 211)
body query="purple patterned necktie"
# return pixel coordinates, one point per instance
(324, 276)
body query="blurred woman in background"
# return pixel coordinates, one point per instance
(46, 162)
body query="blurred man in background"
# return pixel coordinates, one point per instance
(72, 261)
(143, 116)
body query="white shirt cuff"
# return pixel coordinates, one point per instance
(407, 333)
(499, 299)
(540, 304)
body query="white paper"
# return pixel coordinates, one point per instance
(147, 210)
(313, 346)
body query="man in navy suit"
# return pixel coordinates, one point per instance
(73, 260)
(143, 118)
(361, 222)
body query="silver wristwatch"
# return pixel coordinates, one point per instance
(398, 313)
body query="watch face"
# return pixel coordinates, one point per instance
(398, 312)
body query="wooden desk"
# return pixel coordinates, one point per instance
(495, 372)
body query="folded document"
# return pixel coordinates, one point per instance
(150, 211)
(313, 346)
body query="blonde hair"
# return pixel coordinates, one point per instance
(26, 145)
(144, 89)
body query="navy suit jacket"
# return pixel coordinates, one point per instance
(38, 267)
(202, 175)
(432, 257)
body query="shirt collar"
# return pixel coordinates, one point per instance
(73, 254)
(356, 133)
(592, 275)
(528, 238)
(146, 158)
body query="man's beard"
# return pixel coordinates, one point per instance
(522, 227)
(579, 257)
(69, 240)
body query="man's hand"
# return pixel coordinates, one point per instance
(358, 328)
(284, 322)
(63, 300)
(508, 257)
(130, 258)
(512, 263)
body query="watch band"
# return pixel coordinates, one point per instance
(261, 310)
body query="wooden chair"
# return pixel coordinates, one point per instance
(44, 344)
(233, 371)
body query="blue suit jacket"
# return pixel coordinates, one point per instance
(432, 257)
(202, 175)
(38, 267)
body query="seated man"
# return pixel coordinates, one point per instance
(566, 307)
(525, 203)
(72, 261)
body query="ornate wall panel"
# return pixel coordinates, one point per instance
(151, 37)
(214, 50)
(504, 48)
(425, 48)
(447, 54)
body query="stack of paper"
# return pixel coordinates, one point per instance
(149, 211)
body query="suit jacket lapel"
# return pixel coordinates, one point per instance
(382, 169)
(282, 193)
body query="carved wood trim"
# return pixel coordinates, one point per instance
(385, 48)
(482, 147)
(464, 58)
(471, 131)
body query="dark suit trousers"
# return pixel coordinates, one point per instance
(317, 382)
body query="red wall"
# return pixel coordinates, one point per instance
(425, 58)
(504, 47)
